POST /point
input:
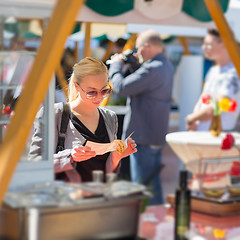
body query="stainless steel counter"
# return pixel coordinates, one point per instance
(101, 217)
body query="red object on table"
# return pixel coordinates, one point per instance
(228, 142)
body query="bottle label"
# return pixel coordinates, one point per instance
(183, 217)
(182, 230)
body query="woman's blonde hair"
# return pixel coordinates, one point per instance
(87, 66)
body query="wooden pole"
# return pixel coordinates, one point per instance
(227, 36)
(35, 89)
(184, 44)
(108, 51)
(76, 51)
(130, 42)
(87, 41)
(62, 80)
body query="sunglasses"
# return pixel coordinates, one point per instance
(93, 94)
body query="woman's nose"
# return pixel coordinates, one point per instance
(99, 96)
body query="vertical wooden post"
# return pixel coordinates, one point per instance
(76, 51)
(35, 89)
(227, 36)
(108, 51)
(87, 41)
(130, 42)
(184, 44)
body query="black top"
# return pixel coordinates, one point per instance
(85, 168)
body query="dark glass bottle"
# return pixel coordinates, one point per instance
(182, 207)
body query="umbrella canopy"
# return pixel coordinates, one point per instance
(155, 10)
(193, 16)
(171, 12)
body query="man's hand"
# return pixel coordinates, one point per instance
(117, 57)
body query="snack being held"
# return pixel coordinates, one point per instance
(121, 146)
(116, 145)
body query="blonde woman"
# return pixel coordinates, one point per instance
(88, 121)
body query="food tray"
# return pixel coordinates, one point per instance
(217, 207)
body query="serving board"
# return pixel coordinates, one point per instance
(217, 207)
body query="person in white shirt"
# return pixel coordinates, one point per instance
(221, 81)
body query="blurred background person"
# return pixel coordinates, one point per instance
(16, 67)
(221, 81)
(67, 62)
(149, 91)
(118, 46)
(17, 64)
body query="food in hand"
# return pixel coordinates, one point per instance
(120, 146)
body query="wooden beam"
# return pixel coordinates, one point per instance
(35, 89)
(108, 51)
(62, 80)
(130, 42)
(227, 36)
(87, 41)
(76, 51)
(184, 44)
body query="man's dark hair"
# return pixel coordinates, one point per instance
(121, 42)
(214, 32)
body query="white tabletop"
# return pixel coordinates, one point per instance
(194, 145)
(200, 137)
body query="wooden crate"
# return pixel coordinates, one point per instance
(211, 206)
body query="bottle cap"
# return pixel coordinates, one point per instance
(183, 179)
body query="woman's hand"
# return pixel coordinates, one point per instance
(131, 148)
(80, 154)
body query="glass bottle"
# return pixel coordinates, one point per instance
(182, 207)
(216, 125)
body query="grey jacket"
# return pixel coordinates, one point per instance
(149, 91)
(73, 138)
